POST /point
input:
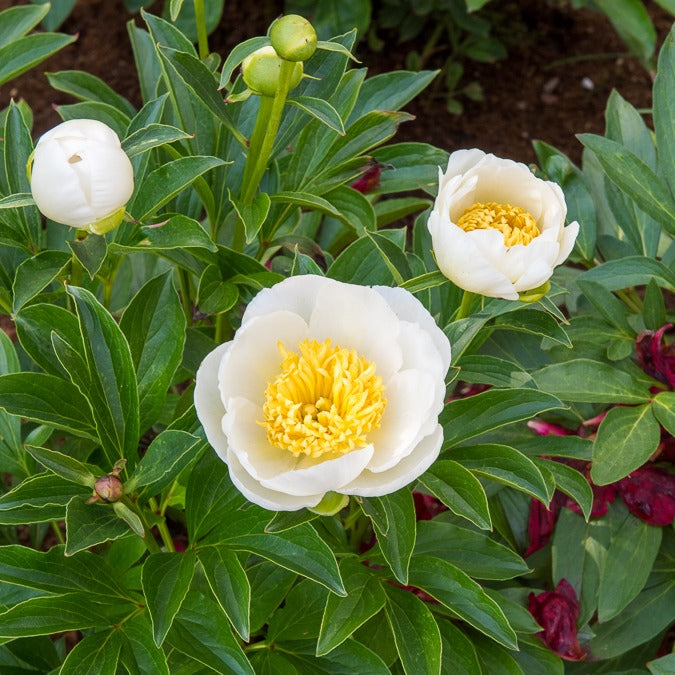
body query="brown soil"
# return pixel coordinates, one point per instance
(529, 95)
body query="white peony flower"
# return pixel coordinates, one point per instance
(326, 387)
(81, 176)
(496, 229)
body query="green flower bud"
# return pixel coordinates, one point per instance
(535, 294)
(293, 37)
(261, 71)
(332, 503)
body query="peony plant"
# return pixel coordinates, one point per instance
(284, 400)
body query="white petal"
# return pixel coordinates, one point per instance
(208, 405)
(411, 400)
(569, 236)
(409, 308)
(247, 439)
(254, 359)
(324, 476)
(111, 178)
(357, 317)
(82, 128)
(262, 496)
(370, 484)
(461, 161)
(461, 261)
(535, 275)
(295, 294)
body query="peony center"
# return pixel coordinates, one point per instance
(325, 400)
(515, 223)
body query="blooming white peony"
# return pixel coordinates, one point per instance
(496, 229)
(326, 387)
(81, 176)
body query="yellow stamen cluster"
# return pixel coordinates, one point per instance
(325, 400)
(514, 222)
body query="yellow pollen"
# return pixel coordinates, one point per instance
(516, 224)
(325, 400)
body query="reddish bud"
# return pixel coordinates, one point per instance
(557, 613)
(656, 357)
(370, 180)
(109, 488)
(426, 506)
(649, 494)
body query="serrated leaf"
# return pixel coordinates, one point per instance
(626, 439)
(229, 585)
(166, 579)
(463, 596)
(459, 490)
(342, 616)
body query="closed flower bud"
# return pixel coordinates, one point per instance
(261, 69)
(81, 176)
(293, 37)
(109, 488)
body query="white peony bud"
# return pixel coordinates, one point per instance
(81, 176)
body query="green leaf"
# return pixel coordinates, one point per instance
(91, 252)
(113, 390)
(17, 201)
(67, 467)
(469, 417)
(166, 579)
(229, 585)
(534, 321)
(342, 616)
(587, 381)
(631, 271)
(663, 666)
(654, 311)
(151, 136)
(21, 55)
(177, 232)
(154, 325)
(237, 55)
(626, 439)
(47, 399)
(505, 465)
(425, 281)
(252, 215)
(355, 209)
(459, 490)
(472, 552)
(632, 176)
(97, 653)
(663, 407)
(36, 273)
(300, 617)
(560, 169)
(398, 542)
(269, 586)
(664, 110)
(140, 645)
(463, 596)
(114, 118)
(416, 634)
(91, 524)
(495, 659)
(17, 21)
(300, 549)
(306, 200)
(88, 87)
(215, 295)
(168, 454)
(38, 499)
(571, 482)
(165, 182)
(44, 615)
(631, 21)
(632, 551)
(285, 520)
(202, 632)
(321, 110)
(644, 618)
(458, 655)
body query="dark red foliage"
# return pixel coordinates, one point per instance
(370, 180)
(649, 493)
(426, 506)
(656, 357)
(557, 612)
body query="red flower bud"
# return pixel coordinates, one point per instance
(656, 357)
(426, 506)
(370, 180)
(557, 613)
(649, 494)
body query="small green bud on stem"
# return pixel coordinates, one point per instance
(109, 488)
(293, 37)
(261, 71)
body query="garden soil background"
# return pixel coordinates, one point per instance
(562, 65)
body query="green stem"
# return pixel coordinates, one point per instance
(162, 526)
(467, 301)
(57, 532)
(633, 303)
(261, 157)
(184, 281)
(255, 142)
(149, 540)
(6, 308)
(202, 38)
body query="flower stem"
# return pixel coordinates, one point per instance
(184, 281)
(57, 532)
(467, 301)
(202, 38)
(162, 526)
(259, 157)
